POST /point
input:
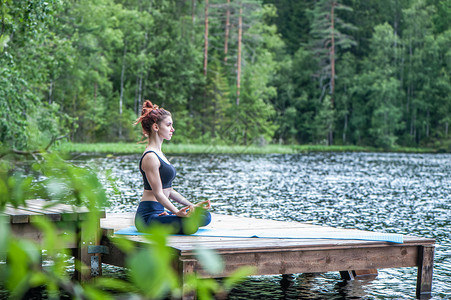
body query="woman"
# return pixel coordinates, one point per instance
(158, 175)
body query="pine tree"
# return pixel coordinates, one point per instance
(327, 31)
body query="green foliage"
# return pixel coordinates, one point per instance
(149, 268)
(133, 148)
(384, 88)
(150, 272)
(82, 69)
(292, 22)
(323, 122)
(27, 122)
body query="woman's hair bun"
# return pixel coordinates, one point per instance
(148, 104)
(150, 114)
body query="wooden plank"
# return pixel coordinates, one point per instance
(115, 256)
(33, 211)
(235, 245)
(31, 232)
(56, 206)
(18, 215)
(308, 261)
(287, 256)
(122, 220)
(27, 231)
(223, 244)
(187, 243)
(352, 274)
(425, 270)
(365, 273)
(68, 212)
(118, 221)
(67, 215)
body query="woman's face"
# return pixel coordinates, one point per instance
(165, 128)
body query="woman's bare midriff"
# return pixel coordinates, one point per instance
(149, 196)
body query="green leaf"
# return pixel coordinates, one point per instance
(210, 260)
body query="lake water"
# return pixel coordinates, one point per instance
(384, 192)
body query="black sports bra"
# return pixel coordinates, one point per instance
(167, 172)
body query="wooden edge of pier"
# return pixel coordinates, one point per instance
(67, 218)
(284, 256)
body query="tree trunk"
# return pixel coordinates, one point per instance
(345, 128)
(74, 109)
(238, 72)
(413, 109)
(95, 94)
(140, 91)
(227, 27)
(410, 91)
(121, 97)
(193, 11)
(136, 96)
(332, 68)
(50, 91)
(206, 39)
(332, 53)
(140, 78)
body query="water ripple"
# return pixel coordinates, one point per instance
(385, 192)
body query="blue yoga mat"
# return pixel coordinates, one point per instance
(288, 233)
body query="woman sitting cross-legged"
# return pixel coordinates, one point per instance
(158, 174)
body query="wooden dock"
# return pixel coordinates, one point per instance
(286, 256)
(66, 218)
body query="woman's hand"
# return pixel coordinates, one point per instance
(204, 204)
(165, 213)
(185, 212)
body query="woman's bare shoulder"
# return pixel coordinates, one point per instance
(150, 160)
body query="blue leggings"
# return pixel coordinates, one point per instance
(148, 211)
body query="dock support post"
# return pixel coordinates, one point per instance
(347, 275)
(286, 281)
(86, 238)
(188, 267)
(425, 270)
(353, 274)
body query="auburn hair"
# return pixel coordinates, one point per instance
(151, 114)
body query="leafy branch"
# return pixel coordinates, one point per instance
(33, 153)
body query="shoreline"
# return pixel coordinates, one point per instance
(137, 148)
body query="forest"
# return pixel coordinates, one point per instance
(232, 72)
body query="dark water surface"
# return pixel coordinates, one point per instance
(384, 192)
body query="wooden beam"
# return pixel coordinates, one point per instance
(85, 238)
(353, 274)
(34, 211)
(188, 266)
(370, 272)
(115, 256)
(287, 256)
(307, 261)
(347, 275)
(17, 215)
(425, 270)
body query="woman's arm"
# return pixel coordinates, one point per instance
(179, 198)
(150, 165)
(182, 200)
